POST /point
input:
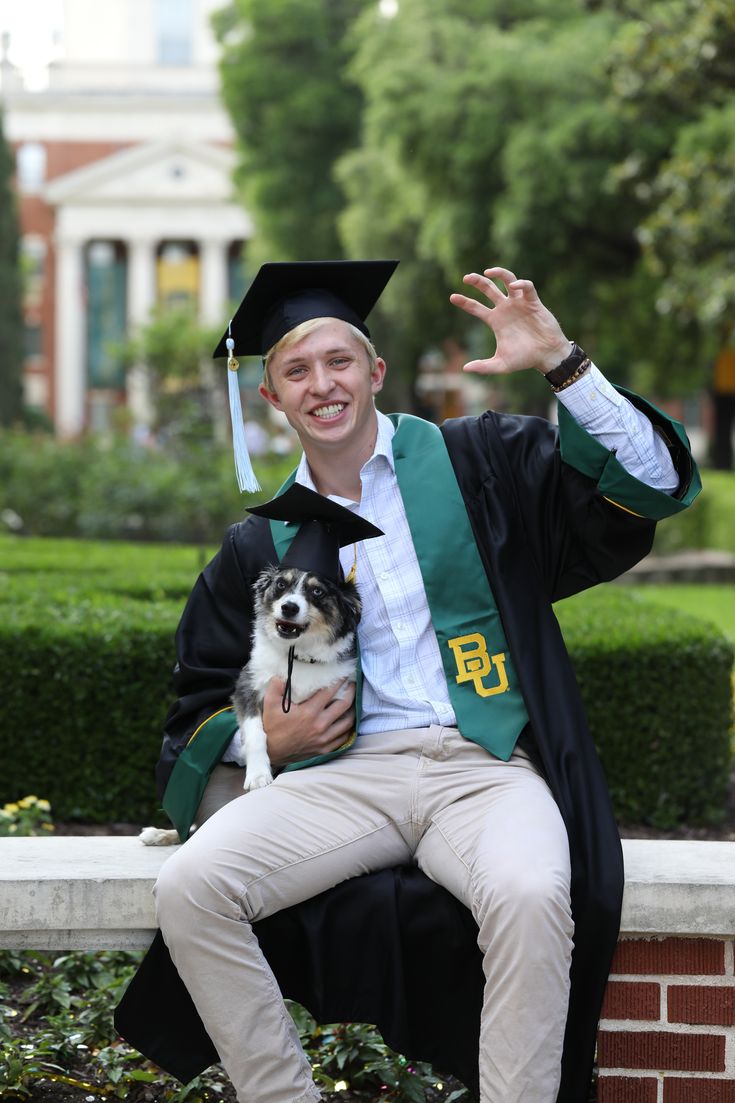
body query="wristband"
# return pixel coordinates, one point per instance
(570, 369)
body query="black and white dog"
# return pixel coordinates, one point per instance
(304, 631)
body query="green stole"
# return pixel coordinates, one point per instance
(481, 679)
(482, 683)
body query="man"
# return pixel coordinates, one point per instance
(473, 762)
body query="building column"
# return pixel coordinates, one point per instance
(213, 297)
(70, 344)
(141, 295)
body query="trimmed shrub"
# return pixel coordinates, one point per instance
(86, 646)
(657, 689)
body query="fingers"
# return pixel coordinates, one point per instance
(516, 289)
(471, 306)
(318, 725)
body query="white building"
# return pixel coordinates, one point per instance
(124, 166)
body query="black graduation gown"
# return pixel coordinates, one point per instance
(547, 526)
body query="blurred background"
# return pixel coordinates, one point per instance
(156, 151)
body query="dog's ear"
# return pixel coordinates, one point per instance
(263, 581)
(351, 604)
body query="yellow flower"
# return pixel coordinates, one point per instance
(12, 808)
(12, 827)
(47, 826)
(43, 805)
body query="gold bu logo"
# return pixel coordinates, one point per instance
(474, 663)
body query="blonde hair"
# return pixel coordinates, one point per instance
(303, 329)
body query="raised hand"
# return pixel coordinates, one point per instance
(527, 334)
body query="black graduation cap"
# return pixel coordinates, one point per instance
(325, 528)
(283, 295)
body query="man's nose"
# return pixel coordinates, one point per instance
(321, 381)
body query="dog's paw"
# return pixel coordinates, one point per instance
(257, 780)
(156, 836)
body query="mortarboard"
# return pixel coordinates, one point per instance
(281, 297)
(325, 527)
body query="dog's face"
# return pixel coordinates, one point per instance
(293, 605)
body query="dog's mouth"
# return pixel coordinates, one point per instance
(287, 630)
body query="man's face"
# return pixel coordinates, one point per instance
(324, 385)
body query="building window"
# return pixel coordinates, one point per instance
(177, 274)
(33, 268)
(237, 280)
(174, 32)
(32, 341)
(30, 162)
(105, 265)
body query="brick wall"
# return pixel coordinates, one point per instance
(667, 1033)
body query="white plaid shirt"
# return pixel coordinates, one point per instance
(404, 684)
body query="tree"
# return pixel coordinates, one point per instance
(186, 394)
(675, 71)
(478, 146)
(294, 115)
(11, 311)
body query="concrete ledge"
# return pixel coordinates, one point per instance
(94, 892)
(78, 892)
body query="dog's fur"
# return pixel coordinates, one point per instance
(293, 608)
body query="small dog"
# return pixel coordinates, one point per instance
(304, 631)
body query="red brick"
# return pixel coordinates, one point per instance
(701, 1004)
(631, 1000)
(666, 956)
(622, 1049)
(699, 1091)
(626, 1089)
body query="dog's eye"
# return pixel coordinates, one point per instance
(281, 584)
(316, 591)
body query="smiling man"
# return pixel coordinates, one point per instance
(473, 770)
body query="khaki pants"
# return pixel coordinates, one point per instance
(487, 830)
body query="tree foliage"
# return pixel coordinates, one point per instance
(587, 145)
(11, 315)
(293, 114)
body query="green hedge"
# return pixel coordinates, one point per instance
(86, 647)
(657, 689)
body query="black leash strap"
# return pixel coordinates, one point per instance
(286, 699)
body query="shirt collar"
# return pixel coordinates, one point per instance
(383, 447)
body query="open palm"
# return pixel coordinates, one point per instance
(527, 334)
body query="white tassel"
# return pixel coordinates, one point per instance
(246, 479)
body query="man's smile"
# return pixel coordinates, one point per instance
(332, 410)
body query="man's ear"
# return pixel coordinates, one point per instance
(270, 396)
(377, 374)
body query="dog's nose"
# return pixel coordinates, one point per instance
(290, 609)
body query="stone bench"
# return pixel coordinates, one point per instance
(667, 1034)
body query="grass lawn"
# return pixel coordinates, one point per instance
(707, 601)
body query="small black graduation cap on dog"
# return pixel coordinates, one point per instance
(325, 527)
(281, 297)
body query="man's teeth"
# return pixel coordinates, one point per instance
(330, 411)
